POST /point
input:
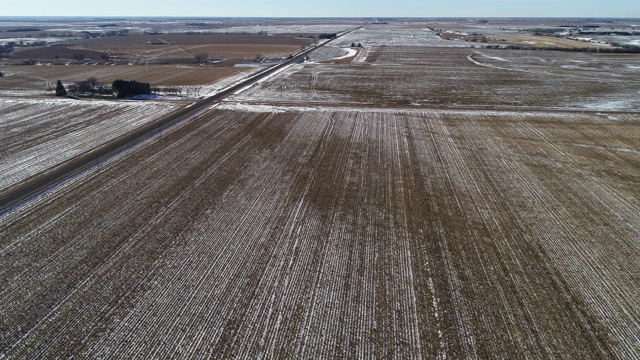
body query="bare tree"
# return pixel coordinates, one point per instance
(93, 83)
(5, 49)
(83, 87)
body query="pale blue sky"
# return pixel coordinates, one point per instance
(326, 8)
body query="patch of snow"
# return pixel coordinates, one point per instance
(29, 41)
(331, 53)
(252, 108)
(204, 91)
(609, 105)
(493, 57)
(276, 29)
(265, 107)
(151, 96)
(350, 53)
(264, 79)
(25, 93)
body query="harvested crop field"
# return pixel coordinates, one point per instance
(391, 35)
(38, 134)
(56, 52)
(389, 233)
(187, 52)
(455, 77)
(546, 42)
(202, 39)
(419, 202)
(21, 78)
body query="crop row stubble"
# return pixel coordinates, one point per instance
(457, 77)
(338, 233)
(38, 134)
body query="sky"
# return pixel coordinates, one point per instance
(326, 8)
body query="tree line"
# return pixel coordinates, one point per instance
(121, 88)
(328, 36)
(623, 49)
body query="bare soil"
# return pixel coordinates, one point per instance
(40, 77)
(338, 233)
(56, 52)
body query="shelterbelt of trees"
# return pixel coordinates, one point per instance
(125, 88)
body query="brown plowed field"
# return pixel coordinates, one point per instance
(186, 53)
(338, 234)
(55, 52)
(36, 77)
(214, 50)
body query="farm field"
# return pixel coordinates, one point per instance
(545, 41)
(186, 53)
(422, 199)
(159, 54)
(338, 233)
(161, 59)
(462, 77)
(37, 79)
(38, 134)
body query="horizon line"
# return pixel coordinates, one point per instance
(313, 17)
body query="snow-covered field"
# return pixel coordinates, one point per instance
(203, 91)
(331, 52)
(37, 134)
(283, 29)
(30, 40)
(388, 35)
